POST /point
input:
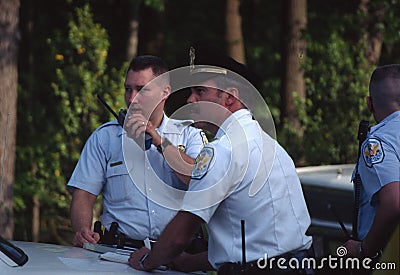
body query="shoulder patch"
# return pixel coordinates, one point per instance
(202, 163)
(373, 152)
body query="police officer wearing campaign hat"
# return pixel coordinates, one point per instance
(378, 208)
(244, 185)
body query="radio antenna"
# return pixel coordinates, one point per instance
(243, 244)
(345, 232)
(4, 154)
(107, 106)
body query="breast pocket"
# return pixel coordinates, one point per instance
(119, 185)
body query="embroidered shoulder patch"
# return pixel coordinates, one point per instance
(202, 163)
(373, 152)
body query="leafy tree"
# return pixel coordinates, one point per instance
(62, 68)
(80, 73)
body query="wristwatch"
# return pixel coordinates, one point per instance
(141, 261)
(165, 142)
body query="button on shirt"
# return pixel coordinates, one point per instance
(102, 169)
(379, 164)
(250, 178)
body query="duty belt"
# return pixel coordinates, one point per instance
(122, 241)
(112, 237)
(261, 267)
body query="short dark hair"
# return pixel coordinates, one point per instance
(386, 71)
(143, 62)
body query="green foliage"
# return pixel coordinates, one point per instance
(337, 77)
(337, 83)
(159, 5)
(79, 72)
(66, 62)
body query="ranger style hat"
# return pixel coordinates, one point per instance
(207, 62)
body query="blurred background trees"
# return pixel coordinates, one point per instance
(9, 38)
(315, 58)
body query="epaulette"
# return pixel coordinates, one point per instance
(175, 125)
(110, 123)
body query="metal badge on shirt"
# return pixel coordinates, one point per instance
(202, 163)
(204, 138)
(373, 152)
(182, 148)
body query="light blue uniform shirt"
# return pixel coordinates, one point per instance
(379, 164)
(246, 175)
(102, 169)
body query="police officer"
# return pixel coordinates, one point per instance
(379, 167)
(102, 167)
(243, 175)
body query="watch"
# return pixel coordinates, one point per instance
(165, 142)
(141, 261)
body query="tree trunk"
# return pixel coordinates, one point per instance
(294, 54)
(372, 33)
(234, 37)
(36, 219)
(133, 30)
(9, 36)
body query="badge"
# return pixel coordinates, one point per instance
(182, 148)
(373, 152)
(204, 138)
(202, 163)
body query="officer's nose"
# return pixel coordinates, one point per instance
(191, 98)
(133, 97)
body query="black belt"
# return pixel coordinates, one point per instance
(112, 237)
(253, 267)
(124, 241)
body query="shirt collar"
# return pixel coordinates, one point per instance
(232, 118)
(164, 122)
(394, 115)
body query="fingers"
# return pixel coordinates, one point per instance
(351, 249)
(135, 125)
(135, 257)
(85, 236)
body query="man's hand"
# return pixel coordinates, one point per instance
(137, 124)
(353, 249)
(85, 236)
(186, 262)
(135, 258)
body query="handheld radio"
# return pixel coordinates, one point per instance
(121, 118)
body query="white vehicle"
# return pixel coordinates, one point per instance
(40, 258)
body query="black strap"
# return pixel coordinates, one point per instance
(260, 267)
(362, 134)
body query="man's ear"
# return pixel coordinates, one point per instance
(368, 99)
(166, 91)
(232, 96)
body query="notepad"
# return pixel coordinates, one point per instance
(115, 257)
